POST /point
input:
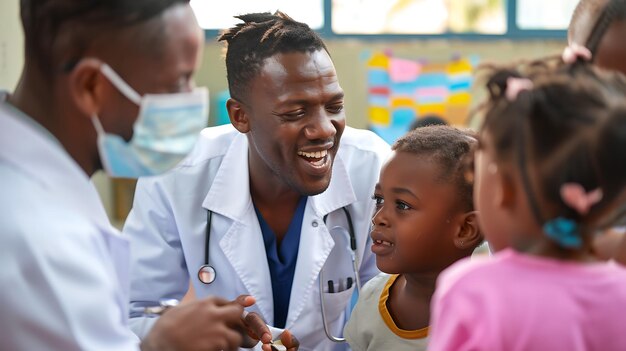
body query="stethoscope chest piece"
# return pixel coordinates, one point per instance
(206, 274)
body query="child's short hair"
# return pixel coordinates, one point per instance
(568, 126)
(449, 147)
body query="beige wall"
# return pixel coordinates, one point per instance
(11, 37)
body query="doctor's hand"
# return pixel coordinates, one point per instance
(259, 331)
(208, 324)
(289, 342)
(256, 329)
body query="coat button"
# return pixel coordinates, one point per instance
(314, 224)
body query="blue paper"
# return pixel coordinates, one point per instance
(377, 77)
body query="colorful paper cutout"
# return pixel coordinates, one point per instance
(402, 90)
(401, 70)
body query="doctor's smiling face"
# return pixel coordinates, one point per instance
(294, 114)
(286, 98)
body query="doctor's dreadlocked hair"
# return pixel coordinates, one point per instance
(58, 32)
(603, 13)
(260, 36)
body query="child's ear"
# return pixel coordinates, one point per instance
(238, 116)
(468, 236)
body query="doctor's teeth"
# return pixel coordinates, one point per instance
(316, 154)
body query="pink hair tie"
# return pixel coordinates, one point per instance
(574, 52)
(515, 85)
(575, 196)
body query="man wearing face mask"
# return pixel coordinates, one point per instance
(89, 98)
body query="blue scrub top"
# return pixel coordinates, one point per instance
(282, 261)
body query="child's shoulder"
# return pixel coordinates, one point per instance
(375, 285)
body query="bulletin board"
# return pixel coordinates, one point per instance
(401, 90)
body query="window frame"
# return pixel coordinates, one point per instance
(513, 32)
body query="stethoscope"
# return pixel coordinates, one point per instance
(207, 273)
(355, 269)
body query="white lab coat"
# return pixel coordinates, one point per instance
(168, 221)
(64, 268)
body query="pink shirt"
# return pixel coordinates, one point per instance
(520, 302)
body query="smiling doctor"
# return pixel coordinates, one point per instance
(264, 205)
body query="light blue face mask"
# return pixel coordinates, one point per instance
(164, 133)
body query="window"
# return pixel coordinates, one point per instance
(418, 16)
(544, 14)
(401, 18)
(214, 17)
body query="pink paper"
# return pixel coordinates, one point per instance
(433, 92)
(403, 70)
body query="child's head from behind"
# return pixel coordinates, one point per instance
(424, 219)
(551, 163)
(600, 25)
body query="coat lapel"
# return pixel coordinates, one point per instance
(240, 236)
(242, 242)
(316, 242)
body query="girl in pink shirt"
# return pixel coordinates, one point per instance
(550, 171)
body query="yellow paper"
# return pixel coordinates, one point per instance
(402, 102)
(379, 115)
(459, 99)
(379, 61)
(460, 66)
(432, 109)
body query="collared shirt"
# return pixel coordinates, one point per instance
(371, 326)
(282, 260)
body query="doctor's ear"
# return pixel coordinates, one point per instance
(238, 115)
(86, 86)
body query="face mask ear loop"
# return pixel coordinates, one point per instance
(120, 84)
(97, 124)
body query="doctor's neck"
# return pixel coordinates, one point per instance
(276, 203)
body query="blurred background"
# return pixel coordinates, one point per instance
(399, 61)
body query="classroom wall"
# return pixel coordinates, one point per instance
(348, 56)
